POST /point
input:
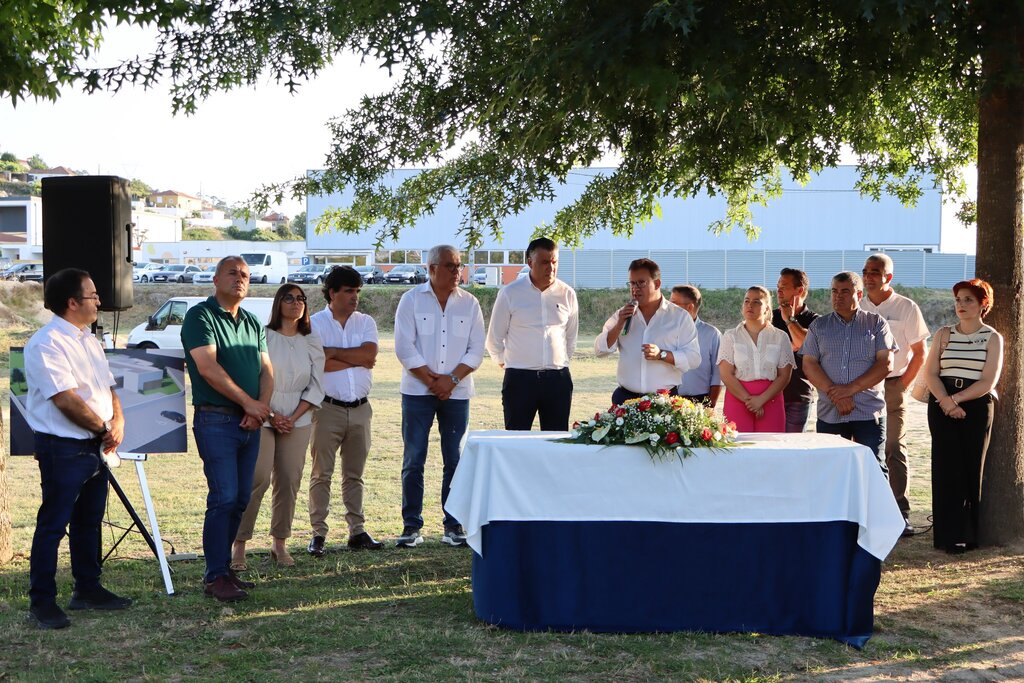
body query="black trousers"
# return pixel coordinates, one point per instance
(622, 394)
(525, 393)
(958, 461)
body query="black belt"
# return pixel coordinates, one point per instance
(224, 410)
(957, 382)
(539, 373)
(94, 441)
(346, 404)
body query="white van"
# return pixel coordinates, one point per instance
(163, 329)
(267, 266)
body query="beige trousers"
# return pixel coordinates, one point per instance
(280, 462)
(896, 453)
(347, 429)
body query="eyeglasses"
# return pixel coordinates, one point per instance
(292, 298)
(452, 267)
(639, 284)
(94, 297)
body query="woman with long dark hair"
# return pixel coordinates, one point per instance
(297, 356)
(962, 372)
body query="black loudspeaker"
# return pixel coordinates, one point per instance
(87, 224)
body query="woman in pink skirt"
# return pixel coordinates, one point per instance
(755, 360)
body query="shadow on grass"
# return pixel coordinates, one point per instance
(408, 615)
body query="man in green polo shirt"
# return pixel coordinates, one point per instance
(228, 365)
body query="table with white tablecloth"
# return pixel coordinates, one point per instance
(783, 534)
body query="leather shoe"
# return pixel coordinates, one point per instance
(239, 582)
(908, 530)
(364, 541)
(98, 598)
(316, 546)
(224, 590)
(48, 616)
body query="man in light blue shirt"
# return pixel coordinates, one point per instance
(702, 383)
(847, 355)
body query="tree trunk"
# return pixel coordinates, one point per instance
(1000, 261)
(6, 546)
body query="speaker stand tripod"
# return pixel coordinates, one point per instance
(153, 540)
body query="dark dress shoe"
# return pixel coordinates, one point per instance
(224, 590)
(239, 583)
(316, 546)
(48, 616)
(364, 541)
(98, 598)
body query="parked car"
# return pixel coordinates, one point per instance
(406, 274)
(175, 273)
(204, 277)
(162, 330)
(143, 272)
(312, 274)
(372, 275)
(523, 272)
(24, 272)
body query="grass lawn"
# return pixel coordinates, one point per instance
(408, 615)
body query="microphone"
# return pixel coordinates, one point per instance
(629, 320)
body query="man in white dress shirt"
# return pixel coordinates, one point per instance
(439, 340)
(75, 417)
(656, 340)
(343, 421)
(532, 336)
(910, 330)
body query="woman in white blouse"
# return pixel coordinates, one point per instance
(755, 360)
(297, 356)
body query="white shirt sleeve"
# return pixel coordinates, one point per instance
(474, 355)
(601, 347)
(497, 333)
(405, 333)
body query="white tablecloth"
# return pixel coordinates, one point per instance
(525, 476)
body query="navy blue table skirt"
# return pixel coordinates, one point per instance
(807, 579)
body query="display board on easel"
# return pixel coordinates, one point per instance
(150, 384)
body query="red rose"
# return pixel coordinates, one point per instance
(707, 434)
(597, 416)
(671, 438)
(644, 406)
(725, 428)
(620, 412)
(663, 392)
(731, 425)
(575, 425)
(612, 408)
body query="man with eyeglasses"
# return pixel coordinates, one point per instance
(75, 417)
(656, 340)
(439, 340)
(232, 382)
(343, 421)
(532, 335)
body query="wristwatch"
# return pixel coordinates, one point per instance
(791, 319)
(663, 355)
(454, 378)
(106, 426)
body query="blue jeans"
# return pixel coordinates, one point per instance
(870, 433)
(229, 456)
(418, 414)
(796, 416)
(74, 488)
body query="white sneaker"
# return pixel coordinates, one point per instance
(410, 538)
(455, 536)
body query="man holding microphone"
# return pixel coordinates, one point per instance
(656, 340)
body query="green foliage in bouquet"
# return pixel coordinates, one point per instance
(664, 425)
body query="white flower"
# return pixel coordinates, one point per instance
(600, 432)
(686, 440)
(718, 436)
(654, 438)
(619, 421)
(591, 423)
(637, 438)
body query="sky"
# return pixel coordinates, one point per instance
(235, 142)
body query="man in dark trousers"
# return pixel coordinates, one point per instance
(532, 336)
(232, 381)
(75, 417)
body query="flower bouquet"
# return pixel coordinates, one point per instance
(664, 425)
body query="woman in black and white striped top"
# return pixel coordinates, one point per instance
(962, 377)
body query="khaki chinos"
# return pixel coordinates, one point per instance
(281, 459)
(337, 427)
(896, 453)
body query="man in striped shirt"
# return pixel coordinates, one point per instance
(847, 355)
